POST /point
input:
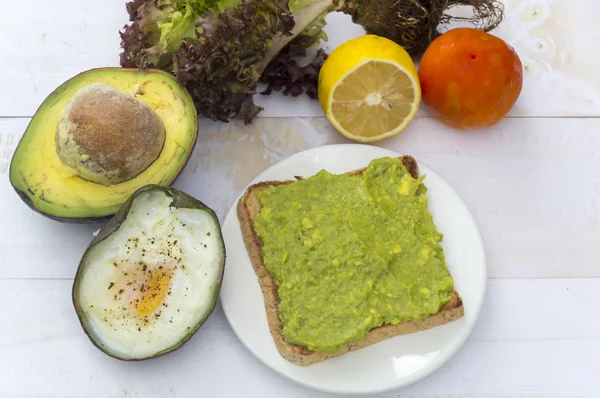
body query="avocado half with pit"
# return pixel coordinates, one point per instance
(101, 136)
(151, 276)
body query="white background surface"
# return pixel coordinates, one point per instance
(532, 182)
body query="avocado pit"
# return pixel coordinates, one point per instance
(107, 136)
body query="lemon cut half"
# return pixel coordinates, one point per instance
(369, 89)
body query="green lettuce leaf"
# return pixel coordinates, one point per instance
(222, 65)
(159, 27)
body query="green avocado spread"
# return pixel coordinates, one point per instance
(351, 253)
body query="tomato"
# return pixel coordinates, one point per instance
(469, 78)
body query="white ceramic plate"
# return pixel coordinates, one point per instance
(392, 363)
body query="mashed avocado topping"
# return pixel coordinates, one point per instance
(350, 253)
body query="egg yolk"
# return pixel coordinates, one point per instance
(143, 288)
(153, 290)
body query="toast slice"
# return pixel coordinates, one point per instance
(248, 208)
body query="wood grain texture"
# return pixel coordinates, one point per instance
(44, 352)
(532, 183)
(65, 37)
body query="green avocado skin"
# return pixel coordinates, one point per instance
(350, 253)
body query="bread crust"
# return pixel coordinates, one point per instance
(247, 209)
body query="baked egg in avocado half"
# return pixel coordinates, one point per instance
(99, 137)
(151, 276)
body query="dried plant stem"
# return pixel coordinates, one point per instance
(415, 23)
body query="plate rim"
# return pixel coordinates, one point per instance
(455, 343)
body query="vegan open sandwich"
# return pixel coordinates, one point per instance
(345, 261)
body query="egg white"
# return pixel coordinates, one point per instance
(184, 242)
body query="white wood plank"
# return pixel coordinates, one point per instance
(43, 351)
(46, 43)
(66, 37)
(532, 184)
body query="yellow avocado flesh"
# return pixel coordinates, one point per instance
(55, 190)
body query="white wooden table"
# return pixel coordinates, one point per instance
(532, 182)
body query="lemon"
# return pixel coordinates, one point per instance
(369, 88)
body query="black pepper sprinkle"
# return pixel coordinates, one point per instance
(111, 285)
(121, 291)
(208, 234)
